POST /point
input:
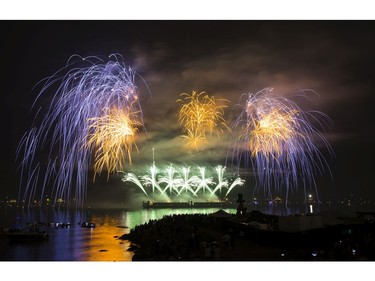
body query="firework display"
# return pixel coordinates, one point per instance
(88, 117)
(174, 182)
(93, 107)
(280, 140)
(200, 116)
(112, 138)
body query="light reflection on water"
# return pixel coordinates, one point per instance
(101, 243)
(76, 243)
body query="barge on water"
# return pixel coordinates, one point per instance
(188, 204)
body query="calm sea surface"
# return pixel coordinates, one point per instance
(101, 243)
(76, 243)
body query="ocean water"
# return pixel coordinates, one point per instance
(102, 243)
(76, 243)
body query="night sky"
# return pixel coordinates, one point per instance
(223, 58)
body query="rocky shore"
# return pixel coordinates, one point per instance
(193, 238)
(201, 237)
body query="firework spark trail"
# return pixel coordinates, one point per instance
(204, 182)
(188, 182)
(237, 181)
(200, 116)
(113, 137)
(150, 179)
(222, 182)
(279, 139)
(130, 177)
(182, 181)
(172, 182)
(78, 92)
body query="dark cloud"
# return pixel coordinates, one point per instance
(288, 59)
(332, 59)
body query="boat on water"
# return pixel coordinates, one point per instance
(88, 225)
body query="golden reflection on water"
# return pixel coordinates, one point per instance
(103, 245)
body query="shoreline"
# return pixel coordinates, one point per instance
(203, 237)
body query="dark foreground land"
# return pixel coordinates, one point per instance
(201, 237)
